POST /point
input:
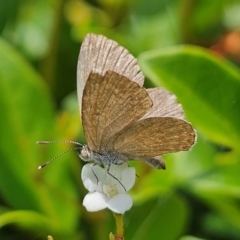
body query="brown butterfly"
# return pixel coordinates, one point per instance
(121, 120)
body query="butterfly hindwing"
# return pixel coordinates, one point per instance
(153, 137)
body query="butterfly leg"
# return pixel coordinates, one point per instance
(94, 164)
(108, 171)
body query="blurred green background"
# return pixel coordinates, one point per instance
(191, 47)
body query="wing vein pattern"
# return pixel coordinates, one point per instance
(110, 103)
(99, 54)
(153, 137)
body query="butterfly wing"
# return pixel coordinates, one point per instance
(99, 54)
(153, 137)
(156, 162)
(164, 104)
(109, 104)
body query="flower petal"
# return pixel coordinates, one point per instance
(100, 173)
(95, 201)
(88, 178)
(90, 181)
(120, 203)
(128, 177)
(117, 171)
(105, 190)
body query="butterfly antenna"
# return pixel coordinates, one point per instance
(59, 155)
(64, 141)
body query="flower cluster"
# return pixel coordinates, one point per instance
(106, 191)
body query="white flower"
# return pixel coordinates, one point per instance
(105, 191)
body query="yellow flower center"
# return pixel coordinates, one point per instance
(109, 190)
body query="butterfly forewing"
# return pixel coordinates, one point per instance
(99, 54)
(153, 137)
(110, 103)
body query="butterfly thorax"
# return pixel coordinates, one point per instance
(102, 157)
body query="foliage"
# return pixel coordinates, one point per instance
(185, 46)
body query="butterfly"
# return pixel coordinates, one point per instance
(121, 119)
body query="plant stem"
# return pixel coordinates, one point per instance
(119, 225)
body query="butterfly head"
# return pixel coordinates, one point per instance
(85, 154)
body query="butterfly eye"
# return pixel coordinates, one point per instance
(84, 154)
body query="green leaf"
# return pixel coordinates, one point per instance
(227, 207)
(29, 219)
(27, 116)
(164, 218)
(34, 222)
(23, 99)
(190, 238)
(207, 87)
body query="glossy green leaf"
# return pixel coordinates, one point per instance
(148, 221)
(207, 87)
